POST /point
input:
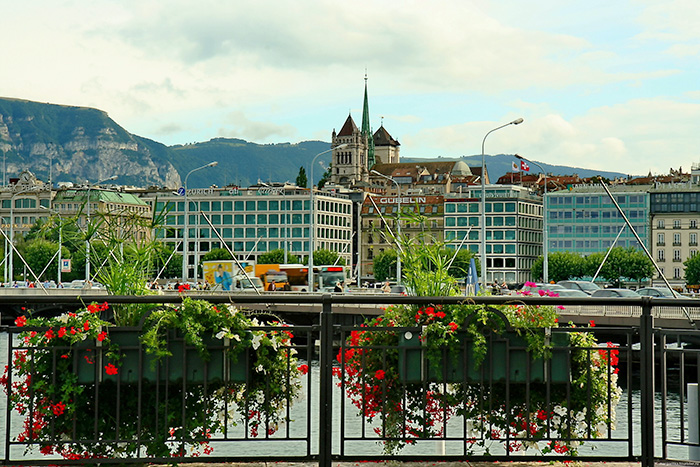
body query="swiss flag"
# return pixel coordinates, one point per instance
(524, 167)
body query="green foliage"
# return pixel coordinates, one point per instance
(217, 254)
(301, 180)
(562, 265)
(41, 256)
(277, 257)
(326, 176)
(323, 257)
(622, 264)
(385, 265)
(692, 270)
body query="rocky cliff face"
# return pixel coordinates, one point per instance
(78, 144)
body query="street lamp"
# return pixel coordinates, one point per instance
(87, 228)
(186, 227)
(60, 242)
(311, 210)
(12, 232)
(517, 121)
(545, 246)
(398, 219)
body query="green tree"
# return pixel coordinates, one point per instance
(324, 257)
(562, 265)
(622, 264)
(217, 254)
(692, 270)
(325, 178)
(385, 265)
(162, 254)
(277, 257)
(39, 254)
(301, 178)
(460, 265)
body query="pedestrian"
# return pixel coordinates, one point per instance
(272, 287)
(338, 287)
(386, 288)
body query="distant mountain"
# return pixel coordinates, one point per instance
(85, 144)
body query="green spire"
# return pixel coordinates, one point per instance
(367, 130)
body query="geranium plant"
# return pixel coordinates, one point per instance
(410, 388)
(72, 380)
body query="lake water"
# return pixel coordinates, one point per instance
(353, 427)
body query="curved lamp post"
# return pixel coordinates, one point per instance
(545, 245)
(311, 210)
(185, 243)
(398, 219)
(517, 121)
(87, 226)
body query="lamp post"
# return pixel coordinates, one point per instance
(185, 246)
(60, 241)
(398, 219)
(545, 246)
(87, 227)
(12, 232)
(311, 210)
(517, 121)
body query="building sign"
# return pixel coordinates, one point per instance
(65, 265)
(270, 190)
(407, 200)
(200, 191)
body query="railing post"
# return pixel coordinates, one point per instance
(646, 340)
(325, 414)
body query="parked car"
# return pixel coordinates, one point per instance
(661, 292)
(584, 286)
(571, 293)
(542, 286)
(627, 293)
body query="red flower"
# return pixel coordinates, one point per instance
(591, 323)
(304, 369)
(72, 330)
(86, 325)
(101, 336)
(62, 332)
(453, 326)
(183, 287)
(21, 321)
(111, 369)
(93, 308)
(49, 334)
(380, 374)
(440, 314)
(58, 408)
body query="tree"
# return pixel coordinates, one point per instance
(161, 254)
(324, 257)
(277, 257)
(301, 178)
(385, 265)
(39, 255)
(460, 265)
(217, 254)
(622, 263)
(325, 178)
(562, 265)
(692, 270)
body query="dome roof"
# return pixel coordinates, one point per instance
(461, 169)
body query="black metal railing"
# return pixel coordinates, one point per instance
(388, 395)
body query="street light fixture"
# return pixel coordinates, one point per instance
(60, 241)
(87, 228)
(517, 121)
(398, 219)
(12, 232)
(545, 246)
(185, 246)
(311, 210)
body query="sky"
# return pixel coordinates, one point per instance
(610, 85)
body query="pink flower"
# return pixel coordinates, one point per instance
(530, 284)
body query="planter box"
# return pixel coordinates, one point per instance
(507, 358)
(185, 362)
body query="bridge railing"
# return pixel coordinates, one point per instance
(415, 405)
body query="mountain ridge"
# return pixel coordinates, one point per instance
(84, 143)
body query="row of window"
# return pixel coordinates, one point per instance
(591, 214)
(257, 232)
(677, 224)
(25, 203)
(692, 238)
(661, 254)
(476, 207)
(253, 205)
(595, 200)
(591, 245)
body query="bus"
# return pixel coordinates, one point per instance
(325, 277)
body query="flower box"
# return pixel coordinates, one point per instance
(221, 366)
(509, 351)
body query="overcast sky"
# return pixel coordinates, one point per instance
(601, 84)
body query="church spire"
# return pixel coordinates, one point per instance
(367, 130)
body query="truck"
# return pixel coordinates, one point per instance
(220, 274)
(269, 273)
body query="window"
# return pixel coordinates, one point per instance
(693, 239)
(676, 239)
(660, 255)
(676, 273)
(661, 239)
(676, 223)
(676, 255)
(693, 224)
(660, 224)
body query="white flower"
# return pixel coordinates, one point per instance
(236, 337)
(221, 334)
(257, 338)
